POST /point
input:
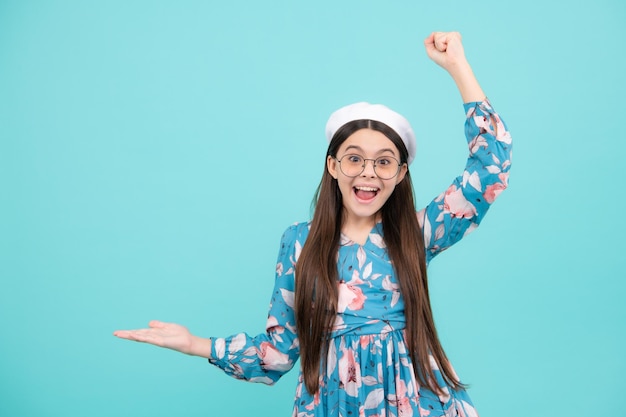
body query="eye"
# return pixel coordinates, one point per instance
(383, 161)
(355, 159)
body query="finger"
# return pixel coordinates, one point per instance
(429, 45)
(125, 334)
(155, 324)
(141, 335)
(453, 38)
(440, 41)
(430, 40)
(128, 334)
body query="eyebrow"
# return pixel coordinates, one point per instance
(358, 148)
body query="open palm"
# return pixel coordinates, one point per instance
(167, 335)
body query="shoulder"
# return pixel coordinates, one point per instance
(297, 230)
(294, 236)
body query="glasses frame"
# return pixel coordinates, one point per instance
(365, 163)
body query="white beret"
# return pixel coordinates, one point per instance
(377, 112)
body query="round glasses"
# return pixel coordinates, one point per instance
(385, 167)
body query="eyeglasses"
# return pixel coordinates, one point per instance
(385, 167)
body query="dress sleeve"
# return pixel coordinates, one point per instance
(268, 356)
(458, 210)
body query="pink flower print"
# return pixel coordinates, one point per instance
(358, 300)
(272, 323)
(349, 373)
(315, 402)
(493, 191)
(494, 126)
(276, 329)
(350, 296)
(404, 403)
(365, 340)
(404, 407)
(456, 204)
(501, 134)
(477, 143)
(279, 269)
(400, 400)
(356, 279)
(504, 178)
(273, 359)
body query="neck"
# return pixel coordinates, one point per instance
(358, 228)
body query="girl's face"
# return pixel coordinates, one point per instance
(365, 194)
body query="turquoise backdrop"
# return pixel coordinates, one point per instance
(153, 152)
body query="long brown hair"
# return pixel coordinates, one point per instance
(316, 292)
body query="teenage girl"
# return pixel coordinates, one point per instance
(351, 295)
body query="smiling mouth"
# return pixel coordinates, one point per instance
(366, 193)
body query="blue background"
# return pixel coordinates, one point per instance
(152, 153)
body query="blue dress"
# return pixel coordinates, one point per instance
(368, 371)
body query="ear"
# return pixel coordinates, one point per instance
(331, 165)
(403, 170)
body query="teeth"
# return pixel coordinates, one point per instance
(366, 188)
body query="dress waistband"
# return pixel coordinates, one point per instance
(371, 327)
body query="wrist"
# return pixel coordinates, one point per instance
(460, 70)
(200, 346)
(466, 82)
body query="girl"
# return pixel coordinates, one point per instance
(351, 295)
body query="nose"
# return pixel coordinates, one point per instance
(368, 169)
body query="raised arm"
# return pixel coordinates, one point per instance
(446, 50)
(458, 210)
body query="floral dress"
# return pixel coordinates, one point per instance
(368, 371)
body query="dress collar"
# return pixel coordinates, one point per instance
(375, 238)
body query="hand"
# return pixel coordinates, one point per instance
(168, 335)
(445, 49)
